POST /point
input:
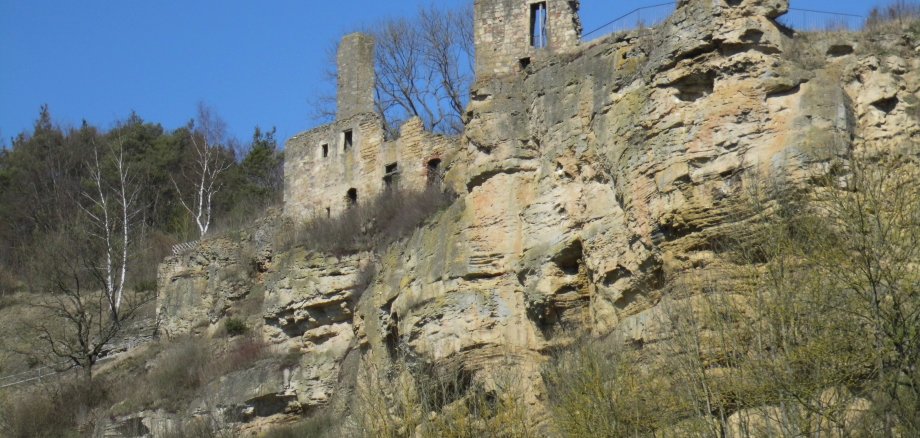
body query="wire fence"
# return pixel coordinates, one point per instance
(798, 19)
(645, 16)
(32, 376)
(808, 20)
(138, 333)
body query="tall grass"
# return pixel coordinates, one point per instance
(370, 225)
(898, 11)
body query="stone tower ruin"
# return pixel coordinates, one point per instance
(332, 167)
(509, 33)
(355, 80)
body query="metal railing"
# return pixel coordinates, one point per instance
(33, 375)
(120, 345)
(183, 247)
(645, 16)
(812, 20)
(796, 18)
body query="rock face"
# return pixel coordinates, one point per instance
(595, 180)
(300, 304)
(591, 183)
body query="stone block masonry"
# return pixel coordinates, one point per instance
(333, 166)
(355, 61)
(323, 176)
(508, 33)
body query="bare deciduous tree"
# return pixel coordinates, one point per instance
(211, 161)
(77, 325)
(423, 69)
(84, 268)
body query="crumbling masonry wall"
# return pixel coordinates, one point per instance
(348, 161)
(503, 33)
(318, 183)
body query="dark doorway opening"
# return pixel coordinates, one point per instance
(351, 198)
(434, 171)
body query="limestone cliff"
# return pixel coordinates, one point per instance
(591, 183)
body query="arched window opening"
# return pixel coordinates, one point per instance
(434, 171)
(351, 198)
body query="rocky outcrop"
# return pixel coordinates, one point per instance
(298, 303)
(592, 184)
(595, 181)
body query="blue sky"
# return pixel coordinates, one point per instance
(254, 62)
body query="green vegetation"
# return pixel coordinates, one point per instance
(321, 425)
(235, 327)
(408, 396)
(44, 174)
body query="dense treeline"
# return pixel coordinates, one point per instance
(46, 176)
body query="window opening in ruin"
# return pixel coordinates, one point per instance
(434, 171)
(391, 176)
(325, 150)
(524, 62)
(538, 25)
(349, 139)
(351, 198)
(328, 212)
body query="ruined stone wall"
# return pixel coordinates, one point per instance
(314, 183)
(355, 75)
(502, 33)
(317, 185)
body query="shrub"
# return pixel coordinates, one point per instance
(321, 425)
(802, 50)
(8, 281)
(370, 225)
(179, 370)
(54, 411)
(245, 353)
(898, 11)
(443, 401)
(235, 326)
(200, 427)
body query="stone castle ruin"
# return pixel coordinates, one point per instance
(341, 163)
(333, 166)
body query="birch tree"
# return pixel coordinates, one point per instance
(210, 162)
(84, 264)
(110, 205)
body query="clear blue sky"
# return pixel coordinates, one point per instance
(254, 62)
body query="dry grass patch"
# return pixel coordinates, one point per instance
(370, 225)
